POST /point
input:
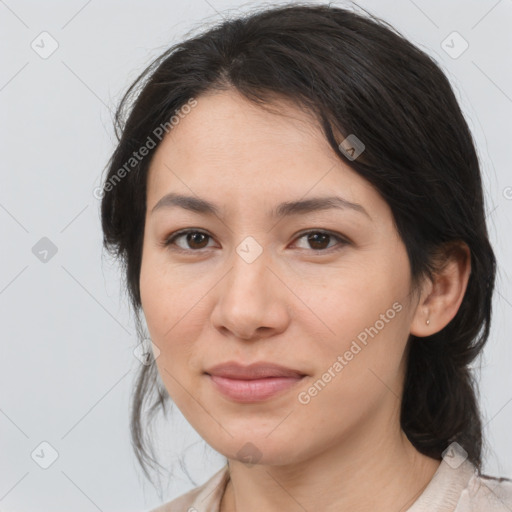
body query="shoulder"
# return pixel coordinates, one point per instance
(487, 494)
(204, 498)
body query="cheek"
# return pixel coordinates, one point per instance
(172, 300)
(367, 316)
(356, 378)
(355, 302)
(160, 303)
(156, 304)
(161, 290)
(163, 311)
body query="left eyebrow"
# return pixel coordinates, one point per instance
(286, 209)
(316, 204)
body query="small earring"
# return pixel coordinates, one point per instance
(428, 322)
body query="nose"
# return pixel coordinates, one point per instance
(251, 301)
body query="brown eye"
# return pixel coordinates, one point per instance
(196, 240)
(193, 240)
(319, 240)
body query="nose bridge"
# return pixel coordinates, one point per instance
(250, 297)
(248, 281)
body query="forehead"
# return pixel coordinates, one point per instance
(227, 147)
(225, 126)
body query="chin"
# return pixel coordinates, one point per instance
(259, 449)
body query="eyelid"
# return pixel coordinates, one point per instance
(342, 240)
(168, 240)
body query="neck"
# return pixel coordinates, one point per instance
(367, 471)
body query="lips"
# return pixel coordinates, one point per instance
(253, 383)
(233, 370)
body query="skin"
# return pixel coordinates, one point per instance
(298, 304)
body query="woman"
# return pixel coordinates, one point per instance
(298, 203)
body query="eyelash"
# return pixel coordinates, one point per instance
(169, 241)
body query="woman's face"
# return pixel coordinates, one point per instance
(324, 291)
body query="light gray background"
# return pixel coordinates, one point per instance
(67, 363)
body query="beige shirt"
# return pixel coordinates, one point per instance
(457, 489)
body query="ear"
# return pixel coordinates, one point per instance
(441, 298)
